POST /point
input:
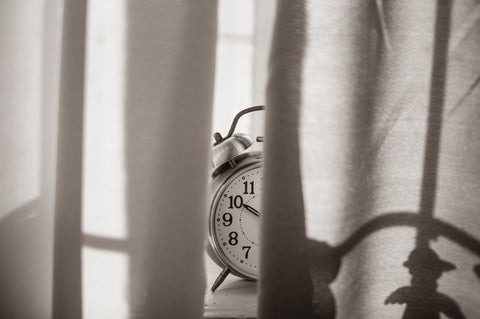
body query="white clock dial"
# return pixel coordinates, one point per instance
(236, 222)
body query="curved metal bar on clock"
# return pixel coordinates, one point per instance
(240, 114)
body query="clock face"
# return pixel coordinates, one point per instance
(236, 221)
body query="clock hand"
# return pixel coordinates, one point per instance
(252, 210)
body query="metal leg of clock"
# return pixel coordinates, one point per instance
(220, 278)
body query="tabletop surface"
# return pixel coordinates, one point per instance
(235, 298)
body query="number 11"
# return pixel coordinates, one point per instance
(246, 188)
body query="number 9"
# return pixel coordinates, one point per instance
(227, 219)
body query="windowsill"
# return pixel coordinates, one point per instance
(235, 298)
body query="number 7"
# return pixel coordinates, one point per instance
(248, 249)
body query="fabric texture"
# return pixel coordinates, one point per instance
(379, 102)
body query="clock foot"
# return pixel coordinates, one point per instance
(220, 278)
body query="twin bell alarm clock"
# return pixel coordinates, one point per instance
(234, 217)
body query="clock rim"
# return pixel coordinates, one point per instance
(249, 163)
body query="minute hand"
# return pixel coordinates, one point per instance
(252, 210)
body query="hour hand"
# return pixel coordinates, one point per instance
(251, 210)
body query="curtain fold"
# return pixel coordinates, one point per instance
(67, 267)
(169, 95)
(284, 286)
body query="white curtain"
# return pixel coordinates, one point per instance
(371, 162)
(371, 159)
(167, 99)
(29, 70)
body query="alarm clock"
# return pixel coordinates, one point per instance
(234, 216)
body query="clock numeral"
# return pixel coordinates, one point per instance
(248, 249)
(227, 219)
(246, 184)
(233, 238)
(236, 201)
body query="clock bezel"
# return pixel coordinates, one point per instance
(248, 162)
